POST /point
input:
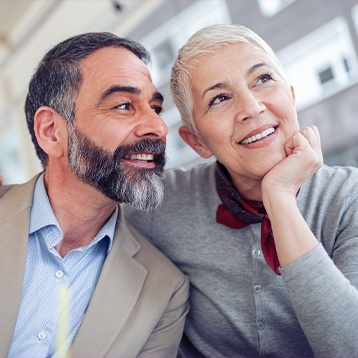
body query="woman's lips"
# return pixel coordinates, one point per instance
(259, 136)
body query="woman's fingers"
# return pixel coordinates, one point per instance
(311, 133)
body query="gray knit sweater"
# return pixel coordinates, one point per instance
(239, 306)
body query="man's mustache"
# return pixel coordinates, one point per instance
(149, 146)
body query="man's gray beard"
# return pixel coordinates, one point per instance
(145, 194)
(123, 183)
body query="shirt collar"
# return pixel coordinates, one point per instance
(43, 216)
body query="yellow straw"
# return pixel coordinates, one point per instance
(63, 323)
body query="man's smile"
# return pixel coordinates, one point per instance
(140, 156)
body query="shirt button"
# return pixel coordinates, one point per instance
(59, 274)
(42, 335)
(257, 288)
(260, 325)
(256, 252)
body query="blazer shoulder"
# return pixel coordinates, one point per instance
(153, 259)
(4, 189)
(16, 198)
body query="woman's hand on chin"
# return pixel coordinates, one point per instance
(293, 237)
(304, 158)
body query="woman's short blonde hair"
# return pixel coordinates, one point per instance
(205, 41)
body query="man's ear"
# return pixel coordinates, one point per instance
(195, 142)
(49, 127)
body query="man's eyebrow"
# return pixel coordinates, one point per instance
(126, 89)
(159, 96)
(115, 89)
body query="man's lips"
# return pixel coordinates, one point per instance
(145, 151)
(259, 136)
(145, 160)
(140, 156)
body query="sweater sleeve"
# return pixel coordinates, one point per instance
(325, 302)
(323, 284)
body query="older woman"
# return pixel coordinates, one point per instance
(267, 234)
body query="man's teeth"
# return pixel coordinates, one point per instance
(140, 157)
(258, 136)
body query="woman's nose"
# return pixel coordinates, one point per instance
(249, 105)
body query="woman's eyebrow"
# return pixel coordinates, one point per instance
(255, 67)
(217, 85)
(222, 84)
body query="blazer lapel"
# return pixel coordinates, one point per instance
(15, 207)
(116, 293)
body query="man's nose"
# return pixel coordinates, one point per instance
(151, 125)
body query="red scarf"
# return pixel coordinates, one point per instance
(237, 213)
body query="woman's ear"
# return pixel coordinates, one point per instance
(48, 127)
(293, 93)
(195, 142)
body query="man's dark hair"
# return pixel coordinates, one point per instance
(58, 77)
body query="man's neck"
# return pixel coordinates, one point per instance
(81, 211)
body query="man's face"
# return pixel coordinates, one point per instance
(142, 188)
(117, 142)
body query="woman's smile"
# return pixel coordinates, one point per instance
(261, 135)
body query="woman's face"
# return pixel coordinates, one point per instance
(244, 113)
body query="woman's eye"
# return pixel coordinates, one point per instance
(264, 78)
(218, 99)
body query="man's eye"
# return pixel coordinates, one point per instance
(123, 106)
(218, 99)
(157, 109)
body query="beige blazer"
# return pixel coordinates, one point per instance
(140, 301)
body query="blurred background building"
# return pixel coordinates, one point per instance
(316, 41)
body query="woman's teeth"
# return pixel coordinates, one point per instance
(258, 136)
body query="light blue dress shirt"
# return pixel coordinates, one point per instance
(35, 333)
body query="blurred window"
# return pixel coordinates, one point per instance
(270, 8)
(164, 42)
(326, 75)
(10, 164)
(355, 16)
(321, 64)
(164, 54)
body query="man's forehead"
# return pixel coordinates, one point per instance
(112, 58)
(111, 66)
(111, 71)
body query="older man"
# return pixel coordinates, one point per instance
(75, 278)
